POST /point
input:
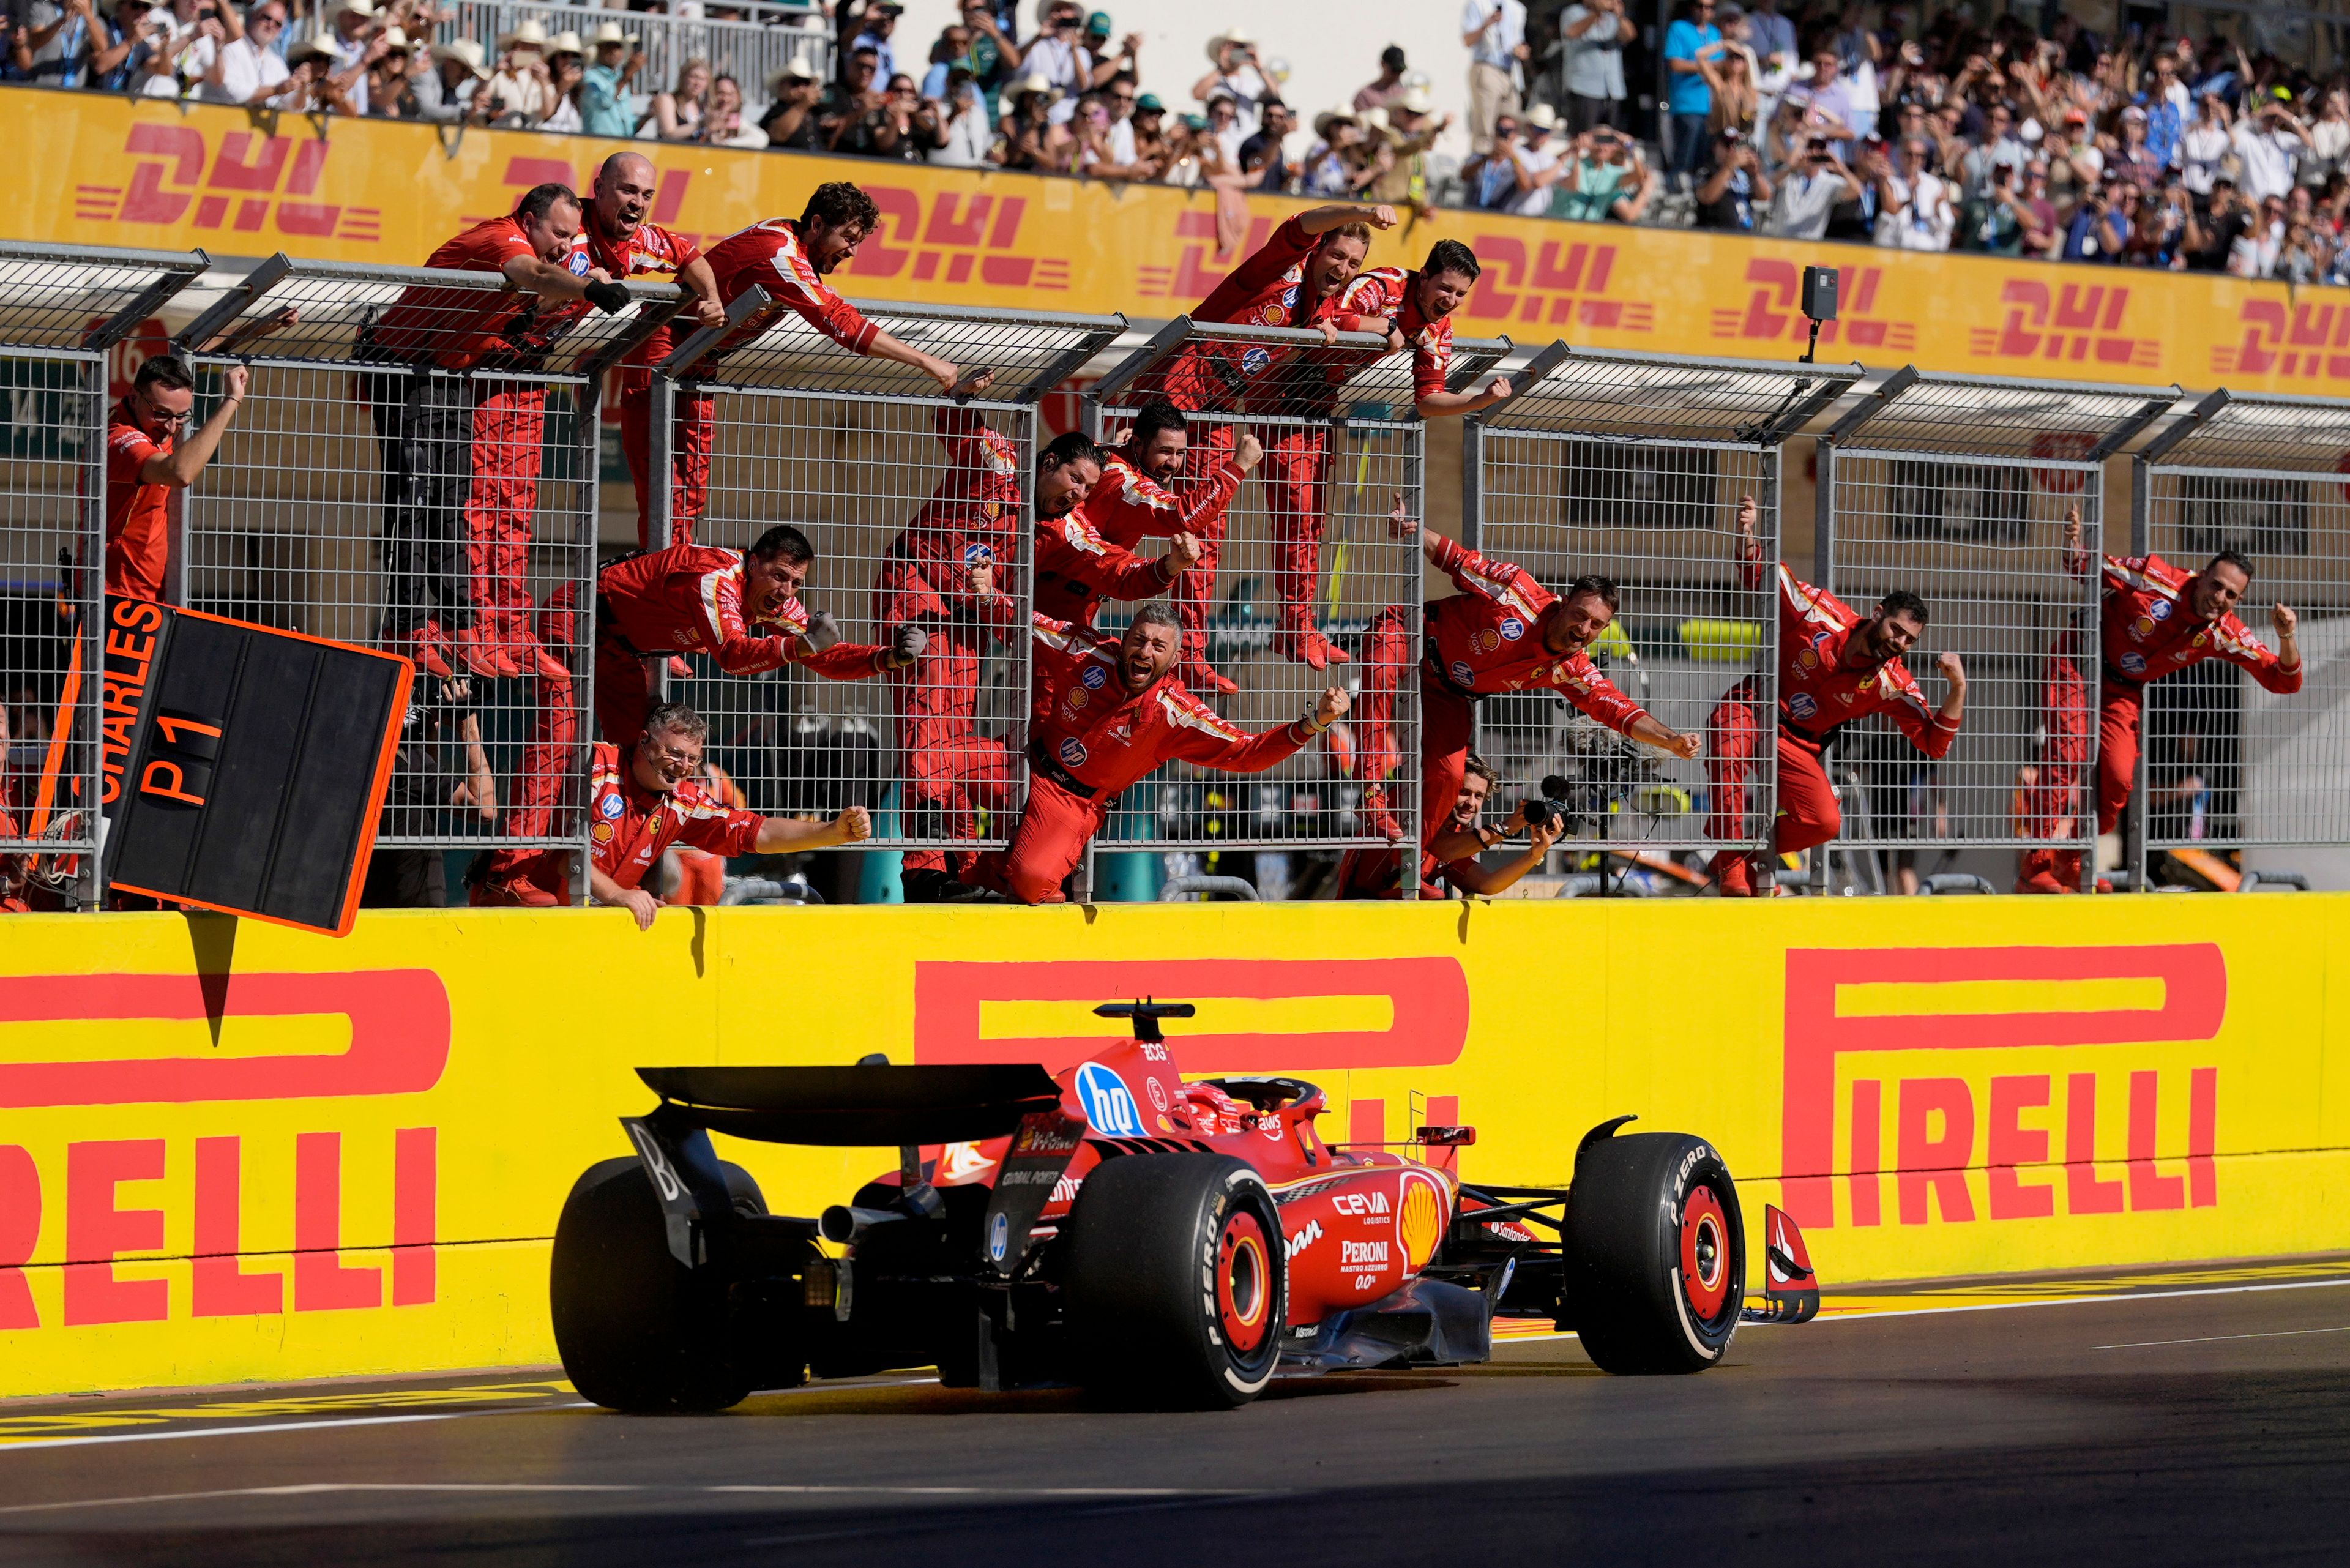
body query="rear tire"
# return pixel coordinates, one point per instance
(636, 1330)
(1656, 1253)
(1177, 1290)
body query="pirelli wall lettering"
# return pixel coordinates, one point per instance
(109, 171)
(231, 1150)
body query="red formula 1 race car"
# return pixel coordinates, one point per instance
(1156, 1241)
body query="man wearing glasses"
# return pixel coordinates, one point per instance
(146, 461)
(249, 69)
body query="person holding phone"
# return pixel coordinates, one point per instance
(1810, 191)
(605, 106)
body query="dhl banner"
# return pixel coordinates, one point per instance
(242, 1152)
(109, 170)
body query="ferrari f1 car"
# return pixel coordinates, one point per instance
(1156, 1241)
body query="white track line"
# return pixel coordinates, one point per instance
(2217, 1338)
(318, 1488)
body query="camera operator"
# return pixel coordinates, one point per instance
(1733, 186)
(1452, 856)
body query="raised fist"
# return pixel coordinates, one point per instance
(1247, 452)
(822, 631)
(906, 643)
(1183, 552)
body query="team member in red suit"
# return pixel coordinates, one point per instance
(2156, 620)
(1076, 567)
(643, 797)
(1419, 306)
(146, 461)
(740, 608)
(1107, 713)
(1503, 632)
(1835, 666)
(1451, 859)
(623, 244)
(946, 573)
(1131, 502)
(454, 451)
(1293, 279)
(701, 875)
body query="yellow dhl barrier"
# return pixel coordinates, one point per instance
(109, 170)
(241, 1153)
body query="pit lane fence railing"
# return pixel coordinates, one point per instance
(903, 490)
(1633, 466)
(67, 317)
(1303, 564)
(1958, 489)
(2226, 764)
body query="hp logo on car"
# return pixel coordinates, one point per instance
(1108, 1105)
(999, 1237)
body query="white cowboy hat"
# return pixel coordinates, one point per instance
(396, 42)
(1416, 99)
(609, 33)
(530, 35)
(796, 70)
(356, 7)
(565, 43)
(1332, 116)
(307, 47)
(1035, 82)
(1229, 36)
(1375, 118)
(1542, 115)
(466, 52)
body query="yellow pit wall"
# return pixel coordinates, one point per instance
(231, 1151)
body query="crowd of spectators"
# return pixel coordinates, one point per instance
(1805, 118)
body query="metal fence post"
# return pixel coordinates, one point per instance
(2134, 857)
(1824, 511)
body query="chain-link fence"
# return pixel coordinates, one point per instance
(920, 508)
(1303, 561)
(2226, 763)
(67, 319)
(1633, 466)
(1958, 489)
(414, 467)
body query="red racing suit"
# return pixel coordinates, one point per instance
(1818, 695)
(1484, 640)
(951, 772)
(1077, 568)
(656, 252)
(1091, 738)
(688, 598)
(630, 826)
(1389, 294)
(2147, 629)
(441, 465)
(1128, 505)
(768, 254)
(1265, 290)
(137, 516)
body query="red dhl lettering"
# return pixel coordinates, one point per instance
(1771, 313)
(2309, 342)
(969, 236)
(253, 181)
(105, 1225)
(1935, 1119)
(1560, 282)
(2072, 323)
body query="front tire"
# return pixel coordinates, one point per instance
(636, 1330)
(1656, 1253)
(1178, 1288)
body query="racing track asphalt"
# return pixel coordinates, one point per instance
(2193, 1421)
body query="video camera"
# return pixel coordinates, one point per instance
(1549, 809)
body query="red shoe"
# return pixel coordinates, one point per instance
(678, 669)
(479, 646)
(549, 667)
(1376, 812)
(1201, 677)
(1731, 875)
(510, 892)
(1308, 648)
(2042, 882)
(426, 648)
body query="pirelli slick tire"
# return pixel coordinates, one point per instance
(637, 1331)
(1656, 1253)
(1177, 1289)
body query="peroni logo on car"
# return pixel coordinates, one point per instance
(1107, 1104)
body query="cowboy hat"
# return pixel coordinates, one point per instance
(1035, 82)
(466, 52)
(530, 35)
(357, 8)
(797, 69)
(307, 47)
(566, 41)
(396, 42)
(1542, 115)
(1415, 100)
(609, 33)
(1374, 118)
(1229, 36)
(1332, 116)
